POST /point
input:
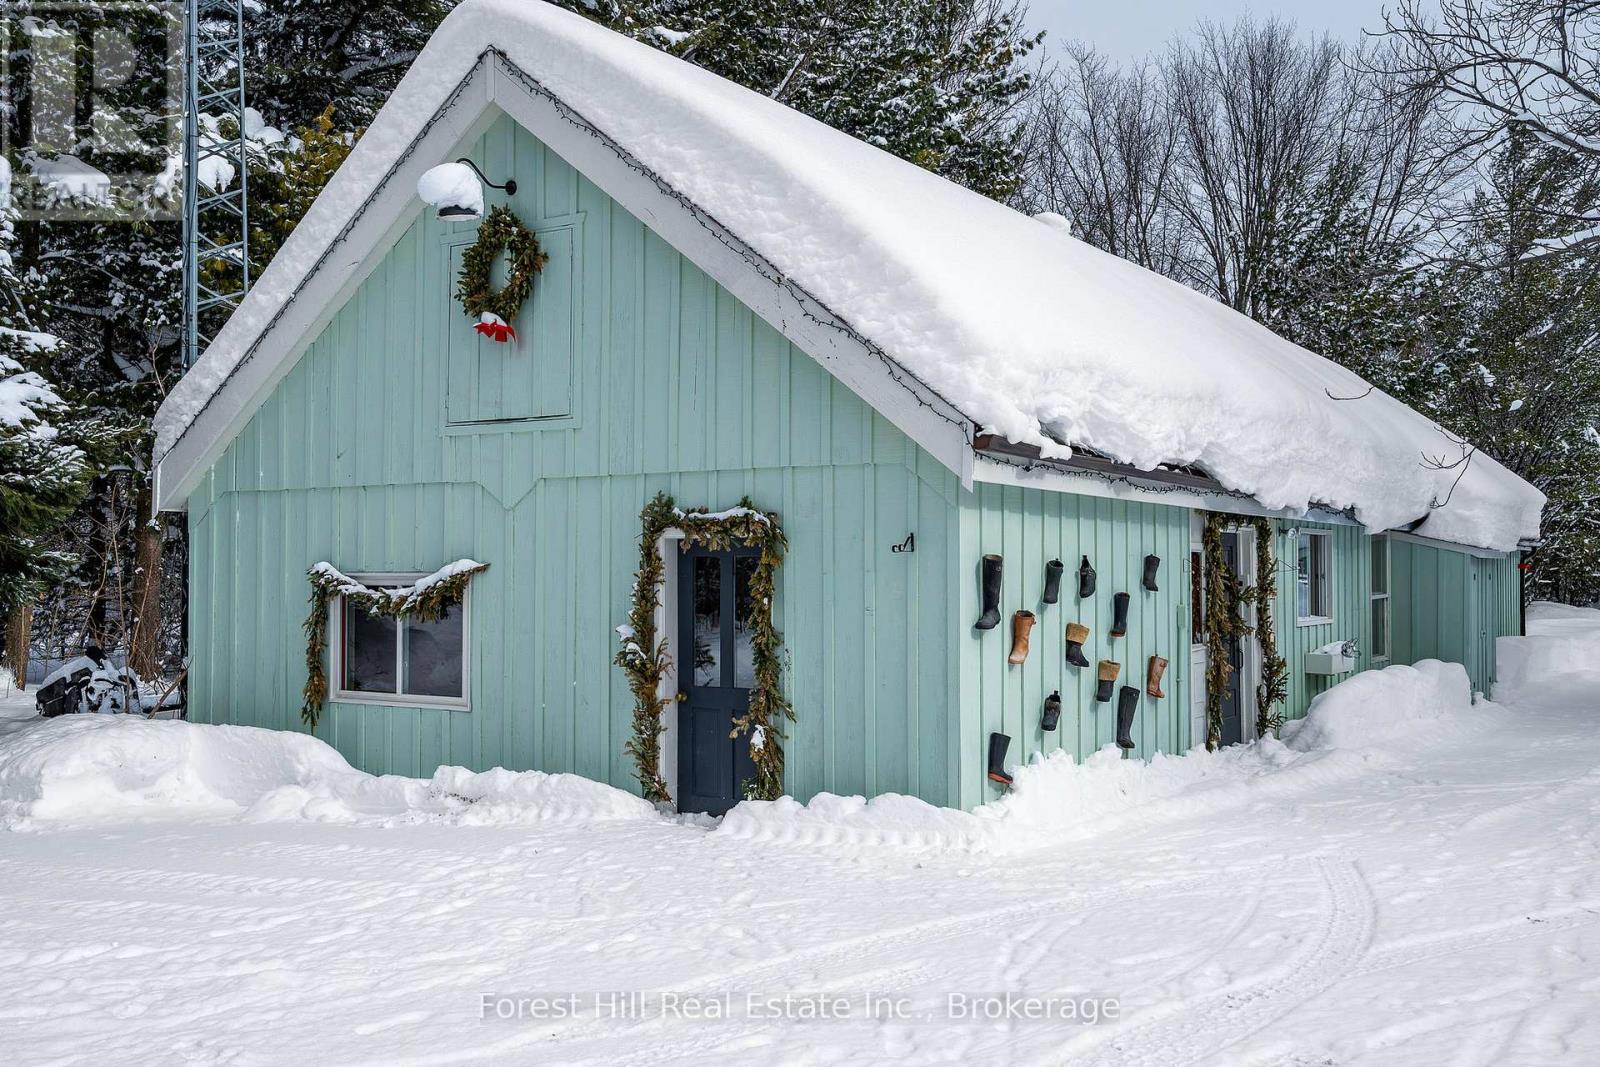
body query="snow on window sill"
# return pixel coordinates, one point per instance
(1314, 620)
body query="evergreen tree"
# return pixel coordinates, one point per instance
(42, 473)
(937, 82)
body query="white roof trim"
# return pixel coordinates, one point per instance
(495, 85)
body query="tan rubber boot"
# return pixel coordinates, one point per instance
(1152, 684)
(1109, 669)
(1021, 626)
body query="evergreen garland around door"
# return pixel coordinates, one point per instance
(645, 660)
(1226, 594)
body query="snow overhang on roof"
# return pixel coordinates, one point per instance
(1025, 333)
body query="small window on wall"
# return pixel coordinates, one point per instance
(1314, 576)
(384, 660)
(1381, 618)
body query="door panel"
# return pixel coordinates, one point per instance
(715, 675)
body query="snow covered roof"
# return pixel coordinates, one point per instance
(1024, 330)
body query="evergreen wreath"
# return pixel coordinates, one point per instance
(426, 600)
(1225, 595)
(500, 232)
(644, 658)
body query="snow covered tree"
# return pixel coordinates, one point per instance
(42, 473)
(1512, 360)
(938, 82)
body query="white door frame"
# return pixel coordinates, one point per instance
(668, 549)
(1250, 672)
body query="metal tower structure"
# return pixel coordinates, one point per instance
(216, 220)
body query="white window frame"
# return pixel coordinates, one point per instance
(1303, 537)
(341, 695)
(1387, 653)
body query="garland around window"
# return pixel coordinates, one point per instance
(424, 599)
(645, 660)
(1226, 595)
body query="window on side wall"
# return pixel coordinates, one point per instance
(1382, 633)
(407, 661)
(1314, 577)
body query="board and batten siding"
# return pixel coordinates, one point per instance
(669, 384)
(1029, 527)
(1452, 605)
(1351, 618)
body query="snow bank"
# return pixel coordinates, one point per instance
(1056, 799)
(1562, 642)
(1376, 707)
(1032, 334)
(90, 769)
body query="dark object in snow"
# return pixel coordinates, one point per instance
(998, 743)
(1152, 563)
(991, 594)
(1152, 683)
(1119, 619)
(1021, 626)
(62, 691)
(88, 683)
(1109, 669)
(1077, 634)
(1085, 580)
(1052, 580)
(1127, 704)
(1052, 712)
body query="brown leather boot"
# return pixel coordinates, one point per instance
(1021, 625)
(1152, 683)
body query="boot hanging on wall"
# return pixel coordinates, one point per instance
(1127, 703)
(1052, 712)
(998, 743)
(1152, 564)
(1077, 634)
(1109, 668)
(1085, 580)
(991, 594)
(1052, 580)
(1021, 626)
(1119, 621)
(1152, 683)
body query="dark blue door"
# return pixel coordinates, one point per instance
(1232, 705)
(716, 671)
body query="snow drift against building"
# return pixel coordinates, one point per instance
(1031, 333)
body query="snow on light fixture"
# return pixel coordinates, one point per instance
(456, 190)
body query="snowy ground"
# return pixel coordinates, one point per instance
(1432, 901)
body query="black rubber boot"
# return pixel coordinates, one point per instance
(1127, 704)
(1085, 580)
(1119, 621)
(991, 594)
(1052, 580)
(998, 743)
(1109, 669)
(1077, 634)
(1052, 712)
(1151, 565)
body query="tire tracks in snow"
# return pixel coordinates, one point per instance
(1200, 1027)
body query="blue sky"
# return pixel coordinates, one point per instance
(1128, 29)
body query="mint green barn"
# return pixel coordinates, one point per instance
(367, 425)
